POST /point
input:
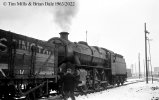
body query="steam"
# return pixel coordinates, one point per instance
(63, 15)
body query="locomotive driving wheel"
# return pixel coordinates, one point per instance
(104, 82)
(104, 85)
(84, 88)
(95, 86)
(30, 96)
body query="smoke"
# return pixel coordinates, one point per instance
(63, 15)
(63, 12)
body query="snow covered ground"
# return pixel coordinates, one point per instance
(137, 91)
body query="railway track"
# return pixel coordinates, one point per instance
(59, 97)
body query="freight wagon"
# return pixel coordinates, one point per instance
(27, 66)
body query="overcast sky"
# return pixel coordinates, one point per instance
(117, 25)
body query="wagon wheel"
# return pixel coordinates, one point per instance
(121, 81)
(30, 96)
(97, 86)
(118, 83)
(84, 88)
(104, 85)
(39, 92)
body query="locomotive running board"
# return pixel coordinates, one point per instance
(103, 82)
(93, 66)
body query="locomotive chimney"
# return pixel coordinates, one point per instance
(64, 35)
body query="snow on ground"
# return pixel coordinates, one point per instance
(130, 80)
(137, 91)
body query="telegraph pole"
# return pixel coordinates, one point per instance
(148, 66)
(146, 53)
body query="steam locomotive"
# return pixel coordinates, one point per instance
(30, 68)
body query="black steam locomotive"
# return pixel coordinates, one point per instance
(30, 68)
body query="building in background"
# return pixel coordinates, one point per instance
(129, 73)
(156, 71)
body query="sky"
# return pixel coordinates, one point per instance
(117, 25)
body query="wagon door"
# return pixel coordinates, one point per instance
(25, 54)
(46, 60)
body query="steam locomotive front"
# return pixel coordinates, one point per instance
(65, 47)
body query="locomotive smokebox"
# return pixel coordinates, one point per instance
(64, 35)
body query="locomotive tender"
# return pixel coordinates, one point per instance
(29, 68)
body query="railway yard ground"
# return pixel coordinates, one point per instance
(133, 89)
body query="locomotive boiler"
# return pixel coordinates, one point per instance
(80, 53)
(102, 66)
